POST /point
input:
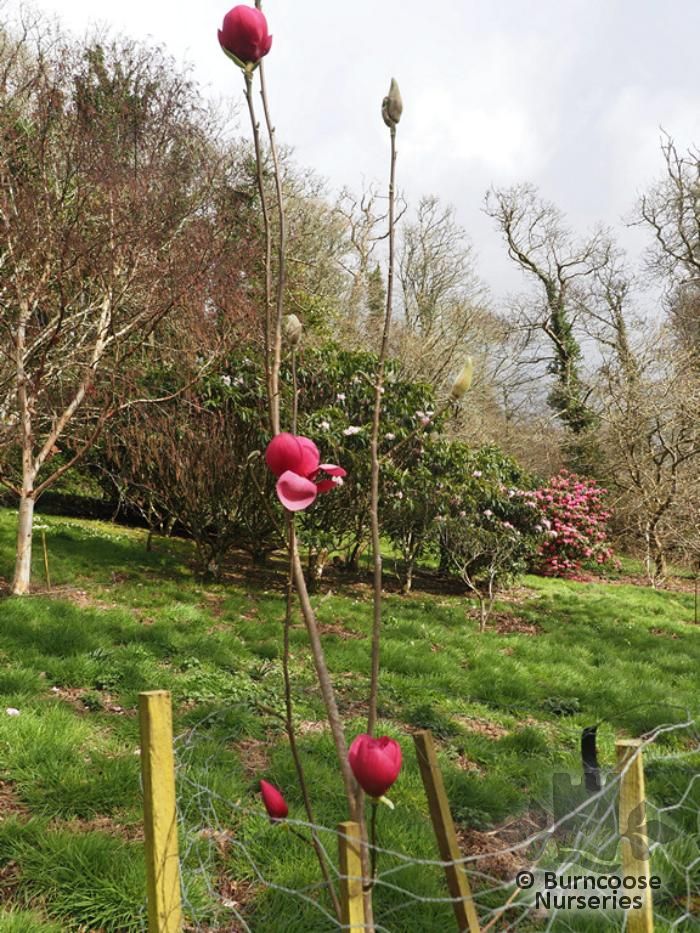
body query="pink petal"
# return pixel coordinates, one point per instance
(284, 453)
(325, 485)
(333, 470)
(295, 492)
(310, 456)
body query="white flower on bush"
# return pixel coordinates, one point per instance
(325, 425)
(11, 711)
(353, 429)
(477, 474)
(340, 397)
(226, 381)
(389, 436)
(488, 513)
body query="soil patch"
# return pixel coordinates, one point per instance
(492, 849)
(10, 804)
(253, 755)
(491, 730)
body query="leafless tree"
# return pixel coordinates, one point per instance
(540, 244)
(671, 211)
(651, 437)
(103, 232)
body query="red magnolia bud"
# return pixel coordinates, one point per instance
(244, 35)
(275, 803)
(375, 763)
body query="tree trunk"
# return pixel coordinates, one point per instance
(655, 556)
(408, 582)
(660, 567)
(482, 614)
(23, 562)
(648, 563)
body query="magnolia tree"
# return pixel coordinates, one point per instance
(491, 527)
(370, 765)
(419, 489)
(336, 404)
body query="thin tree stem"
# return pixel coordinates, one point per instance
(374, 451)
(281, 262)
(268, 247)
(289, 725)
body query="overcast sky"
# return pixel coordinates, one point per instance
(567, 94)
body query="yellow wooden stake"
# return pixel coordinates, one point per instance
(439, 806)
(160, 813)
(633, 827)
(351, 895)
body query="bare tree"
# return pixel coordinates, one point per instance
(103, 177)
(672, 210)
(651, 437)
(540, 244)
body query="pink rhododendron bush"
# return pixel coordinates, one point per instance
(574, 518)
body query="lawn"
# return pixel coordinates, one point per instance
(507, 708)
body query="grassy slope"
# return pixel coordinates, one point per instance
(121, 620)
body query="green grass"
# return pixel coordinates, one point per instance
(507, 711)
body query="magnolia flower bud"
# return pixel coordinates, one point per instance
(292, 328)
(392, 105)
(244, 36)
(463, 382)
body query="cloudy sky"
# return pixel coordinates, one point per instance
(567, 94)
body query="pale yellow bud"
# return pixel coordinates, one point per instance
(292, 329)
(392, 105)
(463, 382)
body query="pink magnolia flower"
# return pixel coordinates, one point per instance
(375, 763)
(275, 804)
(296, 462)
(244, 35)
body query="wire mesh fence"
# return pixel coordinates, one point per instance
(537, 871)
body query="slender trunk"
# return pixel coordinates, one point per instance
(276, 329)
(23, 557)
(353, 561)
(660, 567)
(289, 718)
(482, 613)
(23, 562)
(648, 563)
(374, 452)
(408, 582)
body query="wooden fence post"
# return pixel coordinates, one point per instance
(351, 895)
(160, 812)
(439, 806)
(633, 827)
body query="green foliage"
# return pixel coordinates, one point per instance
(154, 625)
(491, 529)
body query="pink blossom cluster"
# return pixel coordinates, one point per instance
(575, 519)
